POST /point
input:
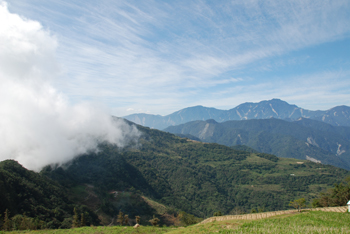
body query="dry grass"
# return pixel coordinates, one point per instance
(255, 216)
(306, 222)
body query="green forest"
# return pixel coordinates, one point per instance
(163, 176)
(283, 138)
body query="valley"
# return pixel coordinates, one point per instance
(302, 139)
(174, 116)
(172, 177)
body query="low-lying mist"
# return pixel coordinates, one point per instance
(38, 125)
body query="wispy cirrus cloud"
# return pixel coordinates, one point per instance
(296, 89)
(39, 126)
(132, 54)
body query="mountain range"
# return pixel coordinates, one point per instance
(302, 139)
(181, 175)
(212, 169)
(275, 108)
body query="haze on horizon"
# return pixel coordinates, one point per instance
(159, 57)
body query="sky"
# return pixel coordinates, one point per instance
(158, 57)
(39, 125)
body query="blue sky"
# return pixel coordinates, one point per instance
(161, 56)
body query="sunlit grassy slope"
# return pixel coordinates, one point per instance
(306, 222)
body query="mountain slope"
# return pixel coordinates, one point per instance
(44, 203)
(337, 116)
(36, 196)
(195, 177)
(178, 117)
(303, 139)
(275, 108)
(201, 178)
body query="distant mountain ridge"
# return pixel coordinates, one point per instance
(275, 108)
(302, 139)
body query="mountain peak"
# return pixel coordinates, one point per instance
(274, 108)
(278, 102)
(211, 121)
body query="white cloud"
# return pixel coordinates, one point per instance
(145, 52)
(38, 125)
(315, 91)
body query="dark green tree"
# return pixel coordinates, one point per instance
(7, 222)
(154, 221)
(138, 219)
(82, 220)
(25, 223)
(22, 222)
(237, 211)
(188, 219)
(218, 213)
(261, 209)
(298, 204)
(126, 219)
(339, 195)
(120, 218)
(75, 222)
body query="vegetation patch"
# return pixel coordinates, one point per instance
(309, 222)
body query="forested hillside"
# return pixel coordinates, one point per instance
(301, 139)
(202, 178)
(178, 173)
(26, 193)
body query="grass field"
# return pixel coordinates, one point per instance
(101, 230)
(308, 222)
(305, 222)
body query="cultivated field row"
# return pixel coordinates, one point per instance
(263, 215)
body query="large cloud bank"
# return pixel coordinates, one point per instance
(38, 126)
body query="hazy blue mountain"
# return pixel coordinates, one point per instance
(344, 131)
(178, 117)
(148, 120)
(302, 139)
(337, 116)
(275, 108)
